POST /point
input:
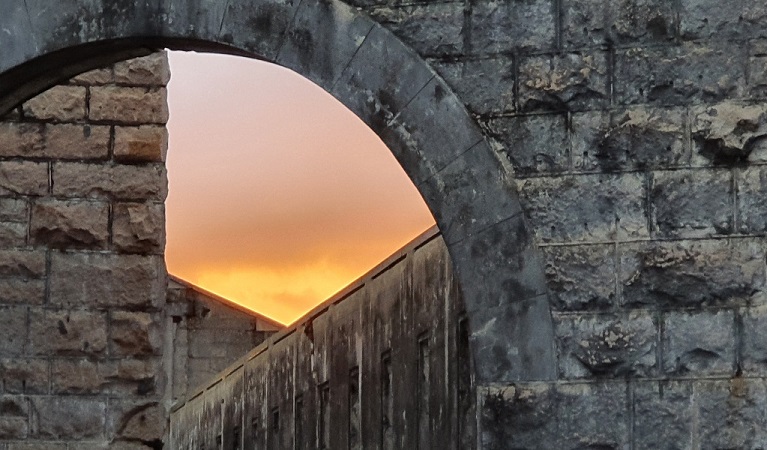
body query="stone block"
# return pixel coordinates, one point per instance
(67, 333)
(757, 68)
(21, 140)
(22, 263)
(581, 277)
(431, 29)
(731, 413)
(14, 417)
(729, 134)
(43, 446)
(754, 346)
(13, 210)
(131, 105)
(501, 26)
(593, 415)
(139, 420)
(152, 70)
(584, 23)
(533, 144)
(679, 75)
(606, 346)
(69, 418)
(77, 376)
(70, 224)
(59, 103)
(642, 21)
(23, 178)
(663, 415)
(585, 208)
(699, 343)
(24, 376)
(632, 139)
(134, 333)
(486, 85)
(77, 142)
(691, 273)
(124, 377)
(13, 323)
(752, 188)
(19, 291)
(701, 19)
(568, 82)
(521, 416)
(95, 77)
(13, 234)
(139, 228)
(114, 182)
(103, 280)
(141, 144)
(692, 203)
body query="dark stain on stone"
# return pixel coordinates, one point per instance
(62, 328)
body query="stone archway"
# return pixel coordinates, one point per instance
(380, 79)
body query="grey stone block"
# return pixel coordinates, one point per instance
(636, 138)
(754, 344)
(731, 413)
(722, 20)
(593, 416)
(680, 74)
(692, 203)
(13, 210)
(520, 417)
(70, 418)
(585, 207)
(572, 82)
(752, 188)
(485, 85)
(581, 277)
(663, 415)
(431, 29)
(691, 273)
(584, 23)
(643, 21)
(258, 27)
(502, 26)
(729, 134)
(606, 346)
(699, 343)
(533, 144)
(757, 68)
(67, 333)
(13, 323)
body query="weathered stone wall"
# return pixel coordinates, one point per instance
(82, 275)
(205, 334)
(383, 364)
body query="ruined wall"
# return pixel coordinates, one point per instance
(205, 334)
(383, 364)
(82, 275)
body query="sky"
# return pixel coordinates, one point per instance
(279, 196)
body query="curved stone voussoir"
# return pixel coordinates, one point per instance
(200, 19)
(258, 26)
(323, 38)
(18, 41)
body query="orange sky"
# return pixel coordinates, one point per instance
(279, 195)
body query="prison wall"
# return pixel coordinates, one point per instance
(383, 364)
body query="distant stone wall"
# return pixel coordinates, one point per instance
(206, 333)
(383, 364)
(82, 274)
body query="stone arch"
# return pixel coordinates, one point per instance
(384, 82)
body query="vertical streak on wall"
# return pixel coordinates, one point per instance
(387, 403)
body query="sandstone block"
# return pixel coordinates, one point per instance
(139, 227)
(14, 412)
(136, 420)
(20, 291)
(69, 418)
(23, 178)
(78, 142)
(101, 280)
(533, 144)
(77, 376)
(21, 140)
(728, 134)
(572, 82)
(678, 75)
(59, 103)
(498, 26)
(13, 210)
(699, 343)
(486, 85)
(558, 212)
(752, 188)
(114, 182)
(13, 323)
(691, 273)
(636, 138)
(611, 346)
(152, 70)
(13, 234)
(70, 224)
(132, 105)
(692, 203)
(431, 29)
(124, 377)
(22, 263)
(663, 414)
(67, 333)
(581, 277)
(24, 376)
(731, 412)
(94, 77)
(135, 334)
(141, 144)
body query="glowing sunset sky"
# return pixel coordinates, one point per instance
(279, 196)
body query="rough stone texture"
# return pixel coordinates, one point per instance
(133, 105)
(114, 182)
(141, 144)
(533, 144)
(77, 142)
(582, 278)
(488, 82)
(699, 344)
(67, 332)
(70, 224)
(152, 70)
(139, 227)
(61, 103)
